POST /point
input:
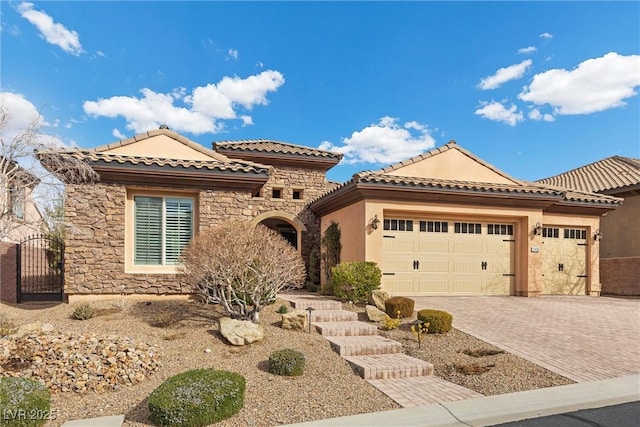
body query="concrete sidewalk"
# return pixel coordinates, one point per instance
(491, 410)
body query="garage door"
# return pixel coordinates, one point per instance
(564, 260)
(447, 257)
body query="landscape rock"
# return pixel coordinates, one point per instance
(47, 327)
(28, 328)
(295, 319)
(375, 314)
(240, 332)
(378, 298)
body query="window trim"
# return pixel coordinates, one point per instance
(130, 266)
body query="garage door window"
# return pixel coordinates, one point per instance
(572, 233)
(500, 229)
(467, 228)
(550, 232)
(434, 227)
(398, 224)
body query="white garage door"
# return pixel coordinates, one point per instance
(564, 260)
(448, 257)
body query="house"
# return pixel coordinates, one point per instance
(157, 189)
(448, 223)
(620, 247)
(442, 223)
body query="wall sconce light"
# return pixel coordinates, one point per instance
(598, 235)
(375, 222)
(537, 230)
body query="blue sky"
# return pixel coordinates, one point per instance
(533, 88)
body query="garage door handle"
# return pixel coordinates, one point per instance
(416, 265)
(483, 265)
(560, 267)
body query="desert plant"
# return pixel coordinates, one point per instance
(354, 281)
(402, 304)
(482, 352)
(83, 312)
(313, 271)
(163, 319)
(7, 327)
(331, 248)
(439, 321)
(286, 362)
(391, 323)
(418, 329)
(197, 398)
(29, 400)
(283, 309)
(242, 267)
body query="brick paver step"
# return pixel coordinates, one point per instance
(386, 366)
(419, 391)
(333, 315)
(364, 345)
(348, 328)
(302, 303)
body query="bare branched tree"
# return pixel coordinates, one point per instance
(242, 267)
(26, 187)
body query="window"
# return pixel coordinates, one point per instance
(573, 233)
(398, 224)
(434, 226)
(16, 202)
(276, 193)
(467, 228)
(297, 194)
(500, 229)
(163, 226)
(550, 232)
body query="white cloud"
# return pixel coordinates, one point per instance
(53, 32)
(246, 120)
(384, 142)
(116, 132)
(100, 53)
(535, 114)
(233, 53)
(504, 75)
(546, 36)
(260, 64)
(594, 85)
(498, 112)
(203, 110)
(528, 49)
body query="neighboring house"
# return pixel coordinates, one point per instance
(157, 189)
(620, 245)
(442, 223)
(447, 223)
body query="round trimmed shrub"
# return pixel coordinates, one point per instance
(399, 304)
(26, 399)
(83, 312)
(197, 398)
(439, 321)
(286, 362)
(354, 281)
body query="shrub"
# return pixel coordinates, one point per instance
(197, 398)
(287, 362)
(83, 312)
(242, 267)
(439, 321)
(7, 327)
(283, 309)
(331, 248)
(354, 281)
(399, 304)
(313, 271)
(391, 323)
(23, 396)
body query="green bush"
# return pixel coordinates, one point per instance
(283, 309)
(399, 304)
(83, 312)
(439, 321)
(197, 398)
(354, 281)
(23, 402)
(287, 362)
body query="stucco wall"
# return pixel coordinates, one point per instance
(620, 276)
(621, 230)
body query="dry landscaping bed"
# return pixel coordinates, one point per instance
(144, 343)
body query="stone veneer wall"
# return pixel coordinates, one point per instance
(8, 267)
(95, 240)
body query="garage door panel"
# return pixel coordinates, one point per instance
(433, 286)
(467, 247)
(564, 263)
(436, 246)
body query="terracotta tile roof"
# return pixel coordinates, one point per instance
(277, 147)
(448, 146)
(214, 165)
(612, 173)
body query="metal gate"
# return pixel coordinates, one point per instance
(40, 269)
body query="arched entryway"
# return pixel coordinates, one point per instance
(285, 223)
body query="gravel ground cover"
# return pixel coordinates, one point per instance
(183, 335)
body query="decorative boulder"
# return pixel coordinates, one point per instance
(378, 298)
(295, 319)
(29, 328)
(240, 332)
(375, 314)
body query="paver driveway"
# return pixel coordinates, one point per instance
(581, 338)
